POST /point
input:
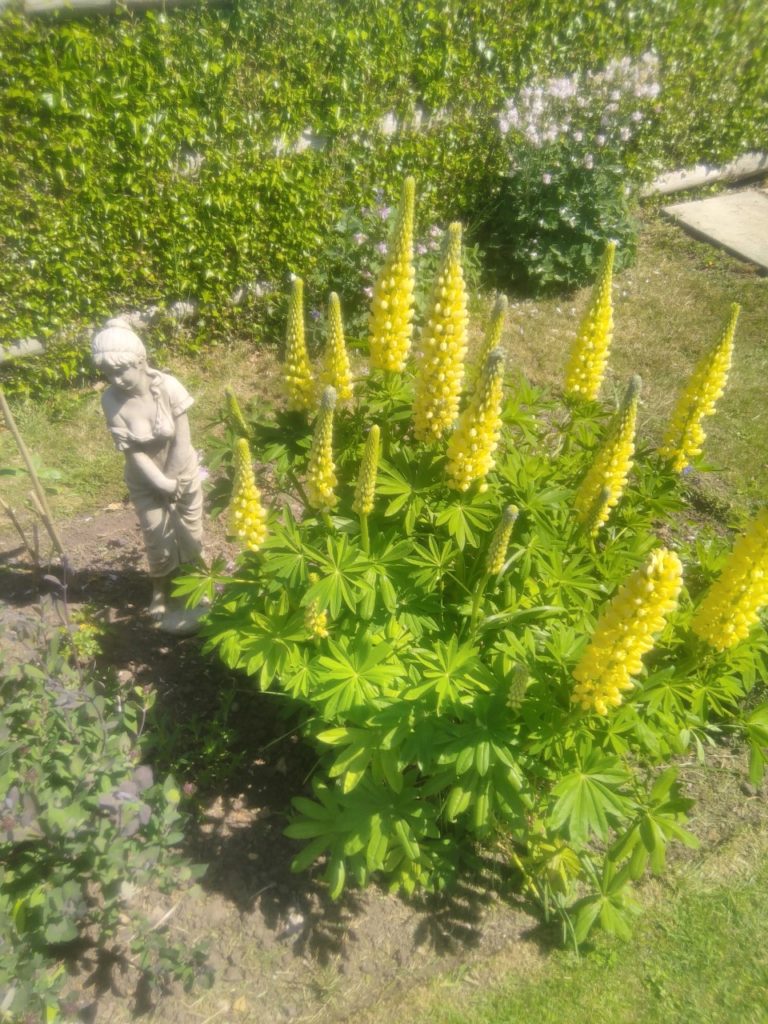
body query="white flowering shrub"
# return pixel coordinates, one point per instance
(570, 173)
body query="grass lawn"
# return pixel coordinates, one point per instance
(697, 956)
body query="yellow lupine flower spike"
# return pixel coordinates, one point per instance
(606, 478)
(491, 340)
(247, 518)
(442, 347)
(365, 491)
(298, 374)
(315, 621)
(625, 632)
(336, 371)
(235, 413)
(732, 604)
(390, 322)
(589, 355)
(472, 444)
(518, 684)
(684, 436)
(321, 472)
(497, 549)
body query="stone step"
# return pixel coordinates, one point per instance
(737, 222)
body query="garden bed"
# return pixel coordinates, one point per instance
(280, 949)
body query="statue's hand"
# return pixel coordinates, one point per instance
(169, 487)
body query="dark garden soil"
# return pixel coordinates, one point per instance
(280, 950)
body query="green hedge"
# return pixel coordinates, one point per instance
(102, 119)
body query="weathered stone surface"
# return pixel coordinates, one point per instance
(737, 222)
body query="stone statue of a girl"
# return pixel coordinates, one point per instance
(146, 413)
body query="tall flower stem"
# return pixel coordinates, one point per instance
(390, 321)
(625, 632)
(732, 604)
(298, 374)
(589, 355)
(365, 540)
(442, 347)
(605, 480)
(684, 437)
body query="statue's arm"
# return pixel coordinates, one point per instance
(178, 453)
(154, 476)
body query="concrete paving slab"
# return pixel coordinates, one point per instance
(737, 222)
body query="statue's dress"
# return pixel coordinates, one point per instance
(173, 531)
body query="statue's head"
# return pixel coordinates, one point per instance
(116, 346)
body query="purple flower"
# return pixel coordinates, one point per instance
(421, 249)
(314, 314)
(368, 292)
(384, 211)
(546, 178)
(358, 238)
(381, 248)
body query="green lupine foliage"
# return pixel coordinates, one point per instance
(138, 163)
(440, 704)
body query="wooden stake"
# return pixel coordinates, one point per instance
(44, 510)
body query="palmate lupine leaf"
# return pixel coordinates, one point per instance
(286, 554)
(354, 673)
(266, 644)
(448, 671)
(385, 574)
(371, 828)
(431, 563)
(755, 726)
(409, 485)
(342, 570)
(613, 905)
(468, 519)
(645, 841)
(589, 797)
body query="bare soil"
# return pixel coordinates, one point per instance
(280, 950)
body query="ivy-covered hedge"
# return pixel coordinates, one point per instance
(157, 157)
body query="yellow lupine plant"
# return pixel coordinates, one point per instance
(472, 444)
(299, 386)
(497, 549)
(321, 472)
(235, 413)
(625, 632)
(247, 518)
(390, 323)
(315, 620)
(365, 491)
(606, 478)
(732, 604)
(335, 370)
(684, 437)
(491, 340)
(589, 354)
(442, 347)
